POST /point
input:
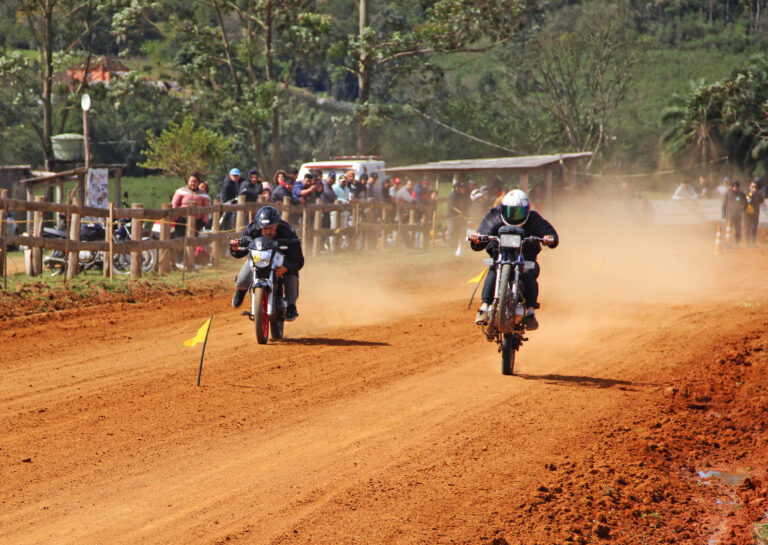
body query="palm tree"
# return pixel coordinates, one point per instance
(693, 124)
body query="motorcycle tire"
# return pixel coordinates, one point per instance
(508, 350)
(278, 320)
(277, 329)
(503, 310)
(261, 320)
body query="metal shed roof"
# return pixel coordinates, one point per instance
(529, 162)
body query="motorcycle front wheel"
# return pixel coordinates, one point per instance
(508, 350)
(504, 298)
(261, 320)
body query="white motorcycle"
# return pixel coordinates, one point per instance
(268, 306)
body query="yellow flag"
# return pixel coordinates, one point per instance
(478, 278)
(202, 333)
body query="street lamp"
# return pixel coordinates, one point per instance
(85, 104)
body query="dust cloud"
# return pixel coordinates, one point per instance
(610, 253)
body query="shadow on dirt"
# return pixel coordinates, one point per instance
(325, 341)
(592, 382)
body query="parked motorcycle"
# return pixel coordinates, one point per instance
(506, 323)
(56, 260)
(267, 291)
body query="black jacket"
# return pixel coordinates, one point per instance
(734, 204)
(535, 226)
(251, 191)
(228, 189)
(294, 257)
(280, 192)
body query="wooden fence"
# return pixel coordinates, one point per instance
(370, 225)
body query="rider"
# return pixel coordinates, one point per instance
(268, 223)
(515, 209)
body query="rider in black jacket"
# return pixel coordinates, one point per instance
(269, 223)
(515, 209)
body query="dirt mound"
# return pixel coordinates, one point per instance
(689, 468)
(40, 300)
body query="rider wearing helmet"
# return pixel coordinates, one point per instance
(515, 209)
(269, 223)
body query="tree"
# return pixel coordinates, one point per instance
(582, 62)
(239, 56)
(183, 149)
(442, 27)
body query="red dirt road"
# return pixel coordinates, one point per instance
(384, 417)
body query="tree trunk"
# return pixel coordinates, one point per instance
(254, 130)
(363, 82)
(274, 152)
(46, 55)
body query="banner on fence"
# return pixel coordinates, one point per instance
(98, 191)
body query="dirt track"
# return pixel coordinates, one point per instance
(384, 417)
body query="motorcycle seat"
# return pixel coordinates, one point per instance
(53, 232)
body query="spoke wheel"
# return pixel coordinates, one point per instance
(508, 349)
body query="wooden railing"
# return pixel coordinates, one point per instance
(370, 225)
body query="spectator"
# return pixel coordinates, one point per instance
(304, 190)
(703, 188)
(341, 187)
(752, 213)
(734, 204)
(204, 199)
(251, 187)
(359, 189)
(684, 192)
(404, 194)
(394, 188)
(457, 216)
(182, 198)
(479, 203)
(230, 186)
(376, 187)
(293, 174)
(229, 189)
(283, 187)
(423, 191)
(329, 195)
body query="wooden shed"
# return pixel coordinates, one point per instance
(522, 166)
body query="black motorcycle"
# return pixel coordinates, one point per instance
(56, 260)
(506, 324)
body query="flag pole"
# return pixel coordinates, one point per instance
(200, 371)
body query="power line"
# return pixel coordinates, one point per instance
(462, 133)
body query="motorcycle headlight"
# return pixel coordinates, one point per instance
(261, 257)
(510, 241)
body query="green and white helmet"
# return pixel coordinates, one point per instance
(515, 207)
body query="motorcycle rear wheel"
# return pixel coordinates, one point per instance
(261, 320)
(508, 350)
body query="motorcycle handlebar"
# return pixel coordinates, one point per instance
(488, 238)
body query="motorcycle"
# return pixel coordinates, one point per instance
(87, 260)
(506, 324)
(268, 305)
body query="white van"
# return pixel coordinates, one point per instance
(361, 164)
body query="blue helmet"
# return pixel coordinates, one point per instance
(234, 172)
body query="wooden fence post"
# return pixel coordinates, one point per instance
(304, 229)
(37, 231)
(189, 251)
(108, 238)
(240, 216)
(216, 244)
(73, 256)
(136, 232)
(316, 238)
(164, 254)
(3, 244)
